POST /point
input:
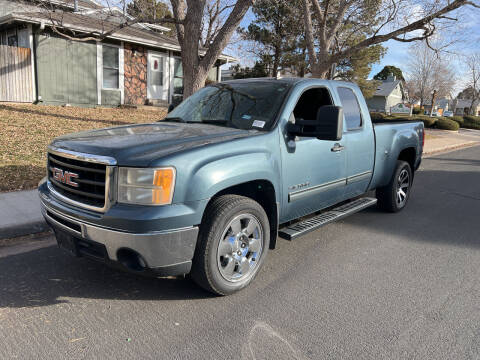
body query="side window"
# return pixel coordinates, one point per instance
(351, 109)
(309, 103)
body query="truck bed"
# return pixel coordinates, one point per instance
(390, 138)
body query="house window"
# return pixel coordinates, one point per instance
(12, 40)
(177, 77)
(157, 72)
(110, 67)
(351, 109)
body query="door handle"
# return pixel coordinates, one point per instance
(337, 147)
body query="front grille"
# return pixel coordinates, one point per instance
(91, 179)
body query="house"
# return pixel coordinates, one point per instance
(441, 105)
(136, 65)
(389, 93)
(462, 107)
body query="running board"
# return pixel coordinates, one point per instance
(301, 228)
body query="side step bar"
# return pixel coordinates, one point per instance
(301, 228)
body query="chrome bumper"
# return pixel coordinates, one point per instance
(168, 249)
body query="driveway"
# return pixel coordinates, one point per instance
(373, 286)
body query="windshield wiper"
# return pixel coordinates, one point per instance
(174, 119)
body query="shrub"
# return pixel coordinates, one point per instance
(446, 124)
(475, 126)
(427, 120)
(417, 111)
(375, 116)
(458, 119)
(471, 122)
(472, 119)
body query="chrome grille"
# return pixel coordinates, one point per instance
(89, 187)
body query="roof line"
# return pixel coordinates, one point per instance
(18, 16)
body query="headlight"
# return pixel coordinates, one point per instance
(146, 186)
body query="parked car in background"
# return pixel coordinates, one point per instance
(448, 113)
(207, 190)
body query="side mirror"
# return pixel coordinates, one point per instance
(170, 108)
(330, 123)
(327, 126)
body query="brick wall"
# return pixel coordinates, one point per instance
(135, 74)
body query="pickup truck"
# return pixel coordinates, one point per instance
(207, 190)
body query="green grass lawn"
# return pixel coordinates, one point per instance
(26, 130)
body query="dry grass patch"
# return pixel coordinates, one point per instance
(26, 130)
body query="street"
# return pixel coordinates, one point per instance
(372, 286)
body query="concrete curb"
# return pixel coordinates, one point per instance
(450, 148)
(23, 229)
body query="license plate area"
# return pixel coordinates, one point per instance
(67, 242)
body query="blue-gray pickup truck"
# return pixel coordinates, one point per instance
(208, 190)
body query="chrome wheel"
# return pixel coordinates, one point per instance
(240, 248)
(403, 187)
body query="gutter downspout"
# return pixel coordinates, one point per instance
(36, 99)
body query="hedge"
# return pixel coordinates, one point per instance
(427, 120)
(447, 124)
(472, 119)
(458, 119)
(471, 122)
(417, 111)
(377, 116)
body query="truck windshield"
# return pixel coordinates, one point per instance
(241, 105)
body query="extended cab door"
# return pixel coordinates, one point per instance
(313, 171)
(358, 138)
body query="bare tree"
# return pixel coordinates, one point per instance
(473, 65)
(331, 24)
(188, 15)
(427, 71)
(215, 15)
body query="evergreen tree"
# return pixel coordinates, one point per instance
(278, 32)
(145, 10)
(389, 70)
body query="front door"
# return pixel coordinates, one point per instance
(157, 76)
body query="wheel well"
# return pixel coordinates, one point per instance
(263, 192)
(408, 155)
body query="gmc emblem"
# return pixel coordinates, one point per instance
(65, 177)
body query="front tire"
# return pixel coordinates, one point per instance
(394, 196)
(232, 244)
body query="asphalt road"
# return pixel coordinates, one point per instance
(373, 286)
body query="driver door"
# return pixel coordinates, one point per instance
(314, 171)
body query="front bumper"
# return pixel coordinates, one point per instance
(167, 252)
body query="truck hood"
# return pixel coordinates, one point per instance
(139, 145)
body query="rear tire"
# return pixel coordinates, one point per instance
(394, 196)
(232, 244)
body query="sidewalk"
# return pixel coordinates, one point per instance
(20, 214)
(20, 211)
(441, 140)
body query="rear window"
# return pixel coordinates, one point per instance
(351, 109)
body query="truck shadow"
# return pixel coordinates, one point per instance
(444, 208)
(43, 277)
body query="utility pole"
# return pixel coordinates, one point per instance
(154, 2)
(434, 96)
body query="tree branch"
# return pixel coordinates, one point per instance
(421, 24)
